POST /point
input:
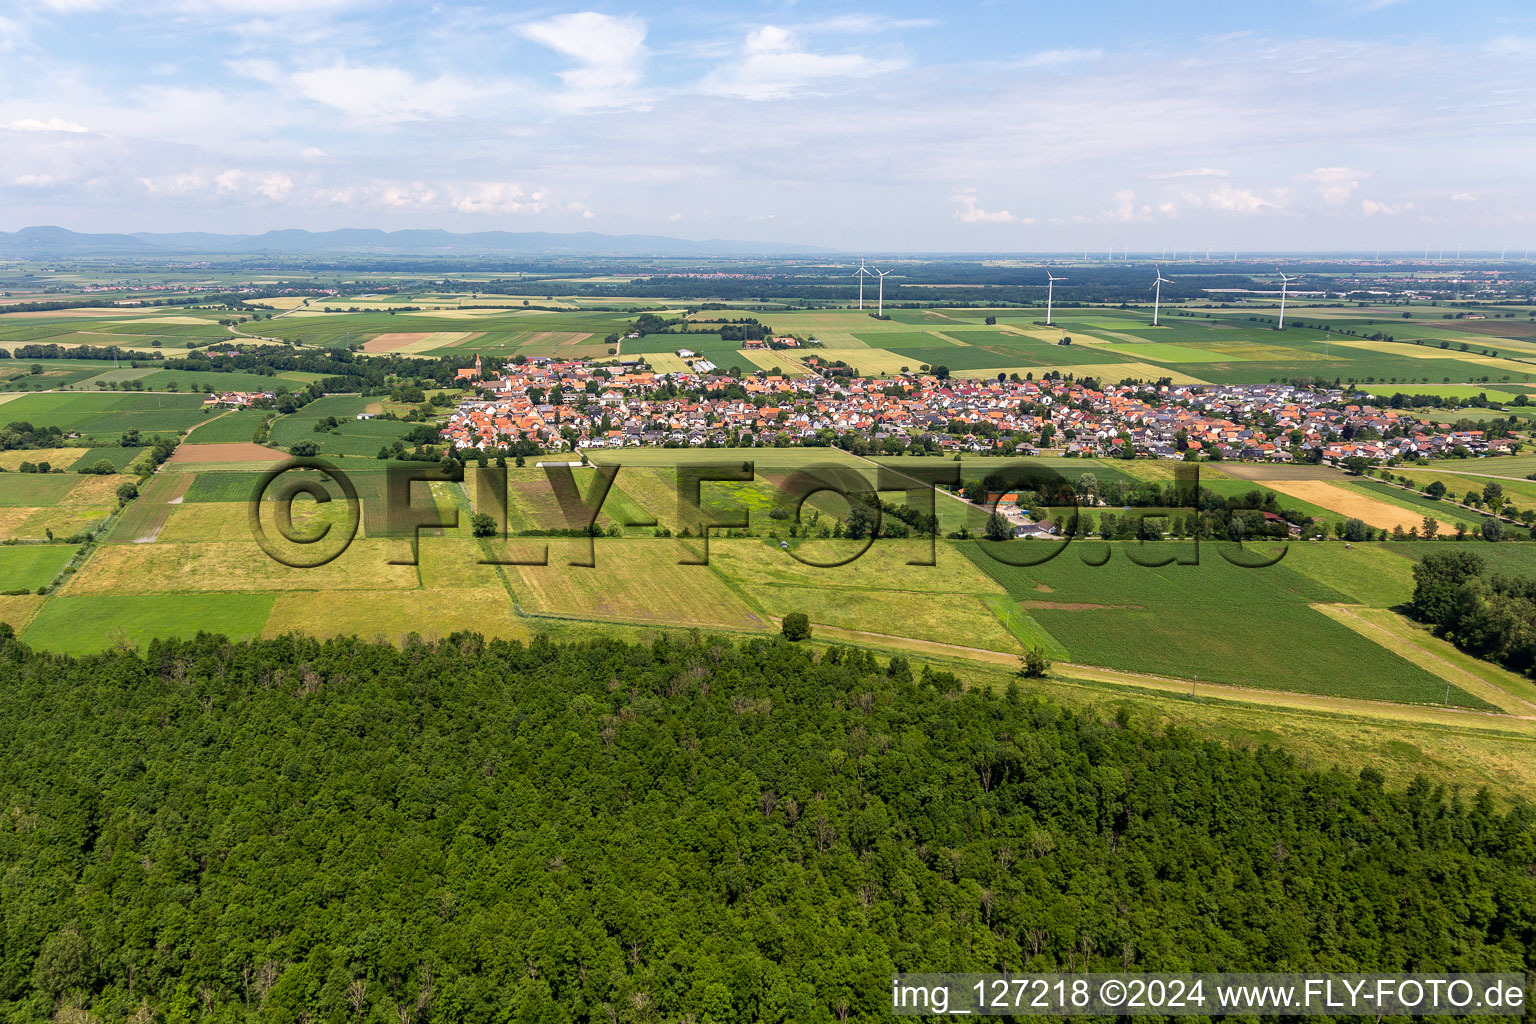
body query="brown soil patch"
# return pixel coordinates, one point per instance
(234, 451)
(1042, 588)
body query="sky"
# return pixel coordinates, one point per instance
(999, 126)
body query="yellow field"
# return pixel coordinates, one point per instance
(669, 362)
(235, 565)
(787, 361)
(392, 614)
(637, 580)
(57, 458)
(19, 609)
(940, 618)
(1335, 498)
(1434, 351)
(1103, 372)
(416, 342)
(868, 360)
(756, 566)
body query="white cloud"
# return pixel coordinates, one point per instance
(1372, 208)
(496, 198)
(11, 33)
(387, 95)
(1057, 58)
(773, 65)
(1334, 184)
(862, 23)
(610, 53)
(1512, 46)
(53, 124)
(1193, 172)
(1230, 199)
(1464, 197)
(274, 185)
(312, 153)
(174, 184)
(1125, 209)
(969, 210)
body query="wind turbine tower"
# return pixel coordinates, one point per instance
(861, 273)
(1285, 283)
(1050, 288)
(1157, 299)
(880, 310)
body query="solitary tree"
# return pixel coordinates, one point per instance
(1431, 527)
(482, 525)
(1033, 663)
(796, 626)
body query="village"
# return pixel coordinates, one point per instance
(579, 405)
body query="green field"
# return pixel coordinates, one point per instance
(116, 454)
(1247, 627)
(352, 437)
(29, 566)
(236, 425)
(107, 414)
(25, 490)
(90, 623)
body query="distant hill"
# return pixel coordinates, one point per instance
(54, 242)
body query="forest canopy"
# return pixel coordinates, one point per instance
(478, 831)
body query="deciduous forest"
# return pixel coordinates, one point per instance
(476, 831)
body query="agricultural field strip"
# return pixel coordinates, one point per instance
(1419, 652)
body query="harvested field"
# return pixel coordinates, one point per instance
(142, 521)
(59, 458)
(392, 614)
(235, 451)
(19, 609)
(1335, 498)
(635, 581)
(557, 338)
(237, 565)
(417, 341)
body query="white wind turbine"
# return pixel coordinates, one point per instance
(861, 274)
(1050, 287)
(1285, 283)
(1157, 299)
(881, 274)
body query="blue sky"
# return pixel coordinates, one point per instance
(1002, 126)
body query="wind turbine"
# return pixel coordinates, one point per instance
(1158, 298)
(880, 311)
(861, 273)
(1284, 284)
(1050, 288)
